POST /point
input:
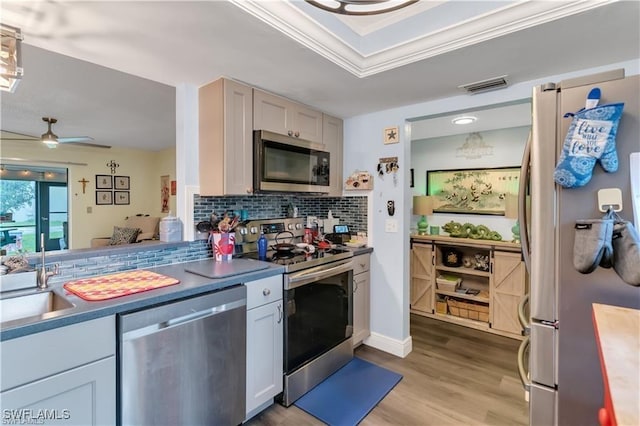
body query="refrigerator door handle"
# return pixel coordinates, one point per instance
(525, 177)
(523, 317)
(522, 371)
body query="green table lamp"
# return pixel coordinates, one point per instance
(422, 205)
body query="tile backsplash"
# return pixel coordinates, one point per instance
(350, 210)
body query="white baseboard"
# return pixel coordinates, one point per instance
(400, 348)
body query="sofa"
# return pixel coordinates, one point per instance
(134, 229)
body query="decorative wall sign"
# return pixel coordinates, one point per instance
(120, 197)
(104, 198)
(391, 135)
(165, 183)
(474, 147)
(478, 191)
(121, 182)
(104, 182)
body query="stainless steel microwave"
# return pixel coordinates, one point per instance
(287, 164)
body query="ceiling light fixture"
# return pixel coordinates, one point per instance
(467, 119)
(360, 7)
(50, 139)
(10, 58)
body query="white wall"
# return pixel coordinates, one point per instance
(390, 259)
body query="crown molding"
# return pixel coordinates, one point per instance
(297, 25)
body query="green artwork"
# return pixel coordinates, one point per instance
(477, 191)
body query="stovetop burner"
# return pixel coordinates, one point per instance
(299, 259)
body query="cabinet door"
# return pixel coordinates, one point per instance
(82, 396)
(307, 124)
(332, 137)
(272, 113)
(225, 138)
(422, 278)
(238, 139)
(508, 287)
(361, 327)
(264, 354)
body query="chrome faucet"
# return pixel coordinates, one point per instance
(43, 274)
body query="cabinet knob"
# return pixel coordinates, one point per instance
(362, 265)
(266, 292)
(290, 133)
(297, 134)
(249, 191)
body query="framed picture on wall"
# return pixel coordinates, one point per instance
(104, 182)
(104, 197)
(120, 197)
(472, 191)
(121, 182)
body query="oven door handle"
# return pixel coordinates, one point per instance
(315, 274)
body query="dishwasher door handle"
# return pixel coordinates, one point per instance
(144, 331)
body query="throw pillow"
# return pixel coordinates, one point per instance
(124, 235)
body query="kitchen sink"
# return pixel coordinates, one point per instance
(32, 304)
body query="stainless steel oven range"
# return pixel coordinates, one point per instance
(318, 307)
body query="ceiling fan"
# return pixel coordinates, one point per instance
(50, 139)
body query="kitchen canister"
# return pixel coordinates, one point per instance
(170, 229)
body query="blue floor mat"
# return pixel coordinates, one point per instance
(347, 396)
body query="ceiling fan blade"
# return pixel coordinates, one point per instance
(75, 139)
(94, 145)
(15, 136)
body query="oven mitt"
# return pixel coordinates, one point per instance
(592, 243)
(626, 248)
(591, 137)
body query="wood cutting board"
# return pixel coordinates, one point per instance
(117, 285)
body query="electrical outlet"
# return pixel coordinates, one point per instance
(89, 209)
(390, 225)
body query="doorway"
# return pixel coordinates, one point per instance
(34, 200)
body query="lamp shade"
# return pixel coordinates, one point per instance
(422, 205)
(511, 206)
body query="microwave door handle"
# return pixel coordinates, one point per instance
(525, 177)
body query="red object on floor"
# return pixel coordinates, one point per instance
(117, 285)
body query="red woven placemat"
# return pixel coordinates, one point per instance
(117, 285)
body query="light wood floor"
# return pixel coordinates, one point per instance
(453, 376)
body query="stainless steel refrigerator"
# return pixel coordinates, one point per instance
(564, 377)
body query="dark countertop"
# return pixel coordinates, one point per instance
(190, 285)
(357, 250)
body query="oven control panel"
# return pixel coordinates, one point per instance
(272, 228)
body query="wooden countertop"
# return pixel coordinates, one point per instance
(618, 334)
(466, 241)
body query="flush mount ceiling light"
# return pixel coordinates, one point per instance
(10, 58)
(50, 139)
(467, 119)
(360, 7)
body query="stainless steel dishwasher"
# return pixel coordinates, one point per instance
(183, 363)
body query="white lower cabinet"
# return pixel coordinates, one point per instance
(64, 376)
(361, 299)
(81, 396)
(264, 343)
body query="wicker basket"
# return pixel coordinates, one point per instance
(469, 310)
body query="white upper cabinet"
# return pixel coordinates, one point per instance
(280, 115)
(226, 138)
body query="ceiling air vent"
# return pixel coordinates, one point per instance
(485, 85)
